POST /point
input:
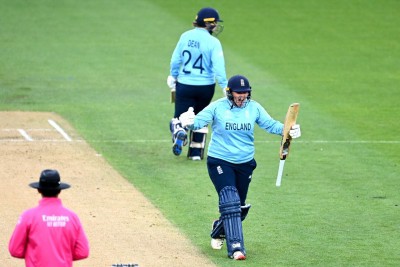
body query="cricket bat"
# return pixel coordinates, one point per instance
(173, 93)
(290, 120)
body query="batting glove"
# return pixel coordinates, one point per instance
(187, 118)
(224, 91)
(171, 82)
(295, 131)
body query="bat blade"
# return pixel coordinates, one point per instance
(290, 120)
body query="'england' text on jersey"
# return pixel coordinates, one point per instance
(237, 126)
(194, 44)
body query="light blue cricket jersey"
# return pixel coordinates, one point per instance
(232, 137)
(198, 59)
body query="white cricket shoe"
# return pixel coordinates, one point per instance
(217, 243)
(196, 158)
(239, 256)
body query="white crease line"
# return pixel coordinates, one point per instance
(29, 129)
(168, 141)
(266, 141)
(40, 141)
(60, 130)
(339, 141)
(25, 135)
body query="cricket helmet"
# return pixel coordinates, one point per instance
(238, 84)
(208, 18)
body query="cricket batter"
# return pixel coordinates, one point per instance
(230, 159)
(196, 63)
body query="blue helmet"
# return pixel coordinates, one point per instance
(239, 84)
(205, 15)
(208, 18)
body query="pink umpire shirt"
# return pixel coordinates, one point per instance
(49, 235)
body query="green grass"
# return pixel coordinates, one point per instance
(102, 65)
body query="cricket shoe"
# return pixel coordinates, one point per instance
(174, 126)
(217, 243)
(195, 153)
(238, 256)
(180, 137)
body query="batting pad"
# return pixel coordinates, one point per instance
(229, 207)
(219, 231)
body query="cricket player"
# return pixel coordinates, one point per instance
(196, 63)
(230, 159)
